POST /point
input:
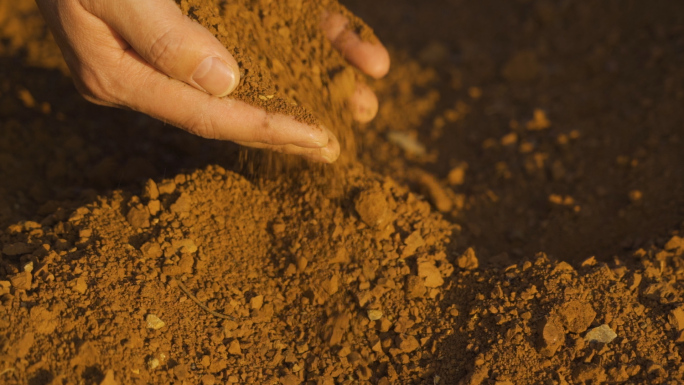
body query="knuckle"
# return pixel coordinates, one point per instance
(164, 49)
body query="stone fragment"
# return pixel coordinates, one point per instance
(374, 314)
(468, 260)
(552, 336)
(138, 217)
(185, 245)
(407, 343)
(109, 378)
(373, 208)
(676, 318)
(153, 363)
(186, 263)
(21, 281)
(290, 379)
(81, 285)
(331, 285)
(150, 191)
(154, 322)
(234, 348)
(603, 334)
(256, 302)
(23, 346)
(456, 176)
(412, 243)
(675, 244)
(154, 206)
(433, 189)
(181, 371)
(44, 321)
(576, 316)
(166, 187)
(182, 205)
(415, 287)
(432, 275)
(208, 379)
(151, 250)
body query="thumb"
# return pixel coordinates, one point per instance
(171, 42)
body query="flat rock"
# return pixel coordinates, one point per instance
(603, 334)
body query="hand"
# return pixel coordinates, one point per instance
(134, 54)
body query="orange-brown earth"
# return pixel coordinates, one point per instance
(515, 141)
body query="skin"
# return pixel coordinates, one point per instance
(134, 53)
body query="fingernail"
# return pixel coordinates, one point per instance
(331, 151)
(215, 76)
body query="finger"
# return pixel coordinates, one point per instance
(201, 114)
(171, 42)
(371, 58)
(363, 103)
(327, 154)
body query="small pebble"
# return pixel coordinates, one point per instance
(153, 322)
(374, 314)
(153, 363)
(603, 334)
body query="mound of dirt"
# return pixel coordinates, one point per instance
(134, 253)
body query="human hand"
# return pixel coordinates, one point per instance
(135, 54)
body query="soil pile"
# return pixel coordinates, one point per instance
(134, 253)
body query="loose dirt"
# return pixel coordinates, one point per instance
(514, 216)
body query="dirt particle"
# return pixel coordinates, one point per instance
(415, 287)
(109, 378)
(234, 348)
(576, 316)
(373, 208)
(412, 243)
(675, 244)
(138, 217)
(290, 379)
(151, 250)
(150, 192)
(539, 121)
(166, 187)
(438, 195)
(432, 275)
(256, 302)
(676, 318)
(81, 285)
(456, 176)
(635, 196)
(468, 260)
(182, 205)
(553, 336)
(23, 346)
(208, 379)
(407, 343)
(21, 281)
